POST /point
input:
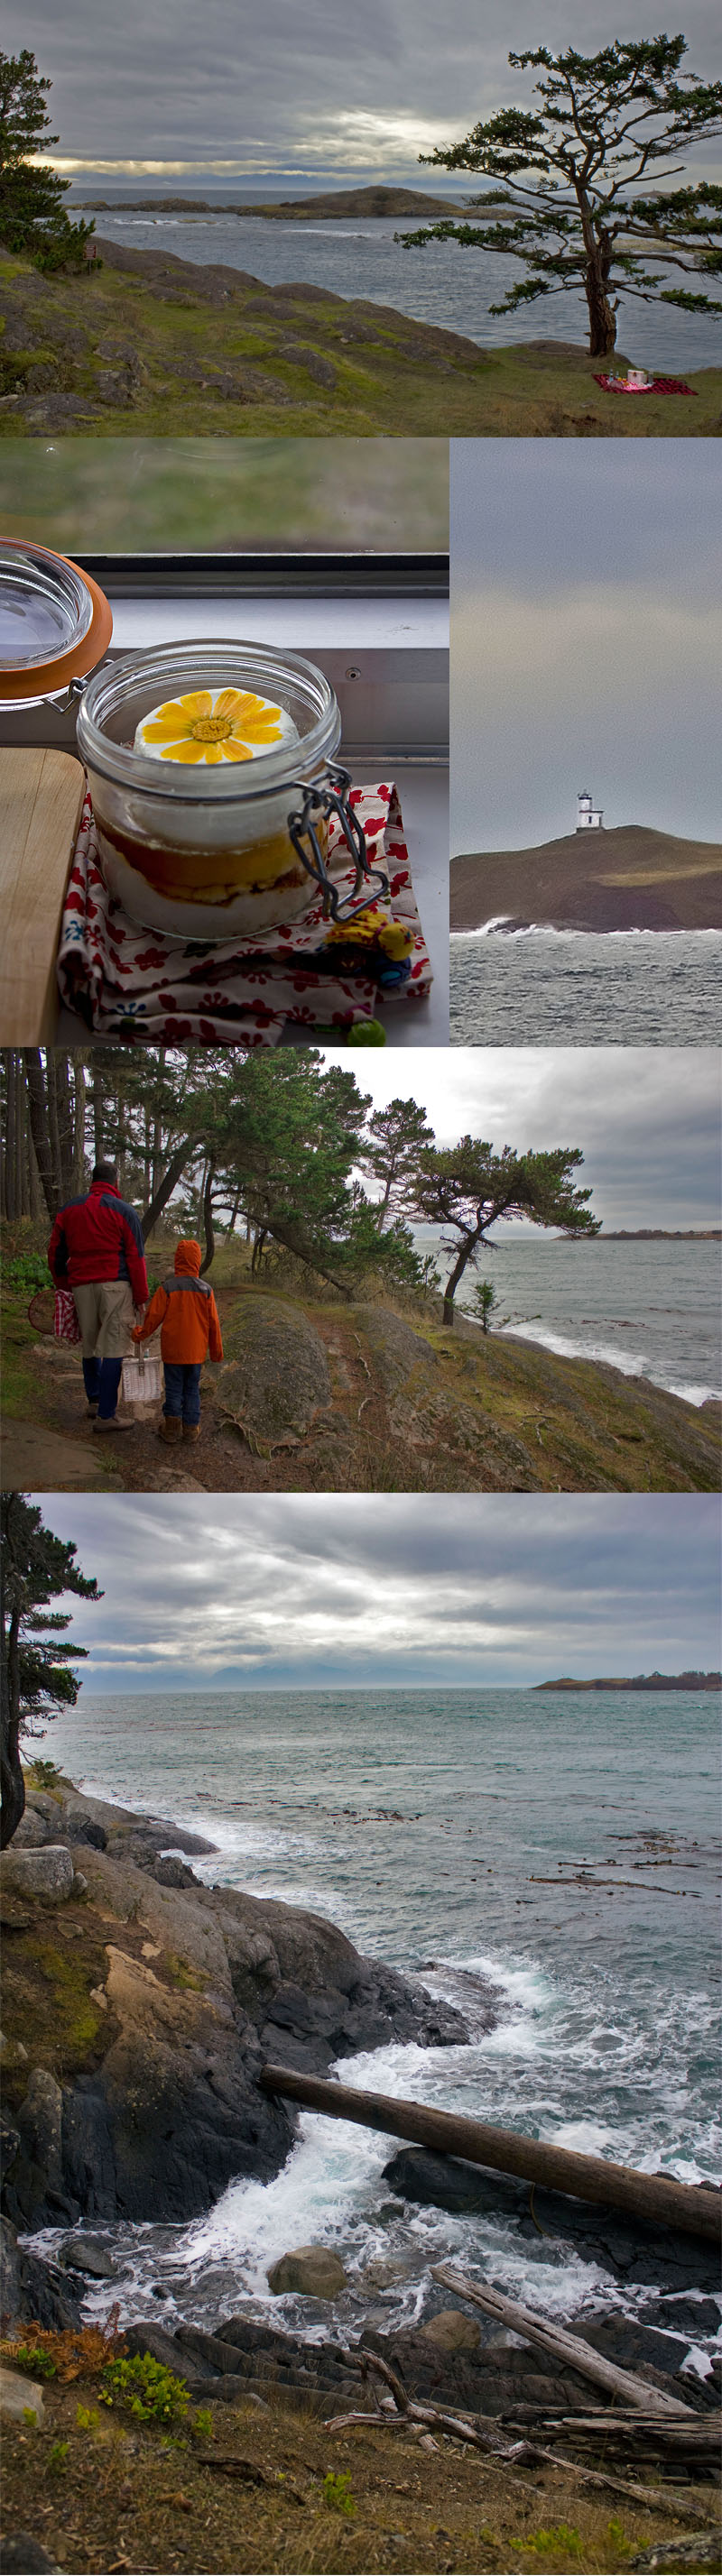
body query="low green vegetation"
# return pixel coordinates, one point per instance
(149, 2390)
(337, 2492)
(154, 348)
(33, 2358)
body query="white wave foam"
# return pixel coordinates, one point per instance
(629, 1363)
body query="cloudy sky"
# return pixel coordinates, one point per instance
(298, 1591)
(586, 637)
(325, 91)
(647, 1119)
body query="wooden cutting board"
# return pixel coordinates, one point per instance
(41, 796)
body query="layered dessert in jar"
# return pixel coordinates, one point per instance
(199, 758)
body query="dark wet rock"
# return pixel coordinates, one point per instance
(82, 1828)
(86, 2255)
(630, 2248)
(185, 1989)
(31, 2289)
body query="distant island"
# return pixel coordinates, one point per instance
(629, 878)
(660, 1234)
(639, 1681)
(321, 209)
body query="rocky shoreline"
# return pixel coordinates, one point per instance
(139, 2008)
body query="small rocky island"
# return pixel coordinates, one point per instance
(631, 877)
(642, 1682)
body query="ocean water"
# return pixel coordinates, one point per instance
(571, 988)
(652, 1309)
(558, 1851)
(450, 287)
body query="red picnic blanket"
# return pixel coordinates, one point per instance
(657, 385)
(125, 982)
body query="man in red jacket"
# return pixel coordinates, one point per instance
(96, 1248)
(186, 1310)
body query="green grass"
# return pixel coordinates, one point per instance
(164, 352)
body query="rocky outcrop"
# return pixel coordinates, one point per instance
(631, 2248)
(275, 1382)
(47, 1875)
(313, 2271)
(148, 2009)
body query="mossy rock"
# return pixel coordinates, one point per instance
(393, 1346)
(276, 1381)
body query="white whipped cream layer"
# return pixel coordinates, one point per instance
(217, 734)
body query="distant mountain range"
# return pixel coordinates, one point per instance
(640, 1681)
(629, 878)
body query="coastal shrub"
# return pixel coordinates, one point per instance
(27, 1270)
(86, 2418)
(43, 1775)
(68, 2353)
(564, 2538)
(58, 2455)
(31, 2357)
(203, 2423)
(337, 2491)
(146, 2387)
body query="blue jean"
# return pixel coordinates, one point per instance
(182, 1390)
(102, 1380)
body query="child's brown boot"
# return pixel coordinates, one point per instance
(191, 1431)
(171, 1428)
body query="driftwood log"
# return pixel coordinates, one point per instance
(569, 2349)
(653, 2197)
(412, 2415)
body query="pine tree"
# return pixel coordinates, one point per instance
(36, 1567)
(567, 209)
(470, 1188)
(32, 214)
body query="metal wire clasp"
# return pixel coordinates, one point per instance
(319, 803)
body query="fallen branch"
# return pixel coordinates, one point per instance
(232, 2465)
(412, 2413)
(566, 2348)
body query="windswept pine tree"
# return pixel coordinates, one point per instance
(568, 210)
(33, 218)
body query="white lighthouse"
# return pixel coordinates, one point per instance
(590, 818)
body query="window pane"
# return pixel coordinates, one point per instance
(197, 495)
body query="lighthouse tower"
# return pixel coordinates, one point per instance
(590, 818)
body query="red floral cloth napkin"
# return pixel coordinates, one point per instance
(135, 984)
(657, 385)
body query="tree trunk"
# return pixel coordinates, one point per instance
(464, 1254)
(157, 1145)
(602, 321)
(569, 2349)
(650, 2196)
(166, 1187)
(210, 1240)
(40, 1128)
(11, 1108)
(79, 1111)
(52, 1098)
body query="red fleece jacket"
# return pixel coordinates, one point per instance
(98, 1237)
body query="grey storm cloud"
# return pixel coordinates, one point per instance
(586, 637)
(326, 85)
(647, 1119)
(305, 1591)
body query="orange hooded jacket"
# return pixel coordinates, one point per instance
(187, 1312)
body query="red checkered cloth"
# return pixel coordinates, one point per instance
(657, 385)
(136, 984)
(65, 1325)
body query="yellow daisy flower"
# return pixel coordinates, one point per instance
(199, 727)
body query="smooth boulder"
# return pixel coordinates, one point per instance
(312, 2270)
(46, 1874)
(20, 2397)
(452, 2331)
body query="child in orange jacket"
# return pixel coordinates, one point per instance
(186, 1310)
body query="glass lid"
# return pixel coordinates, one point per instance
(55, 623)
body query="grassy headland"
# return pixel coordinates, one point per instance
(319, 1395)
(629, 878)
(154, 346)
